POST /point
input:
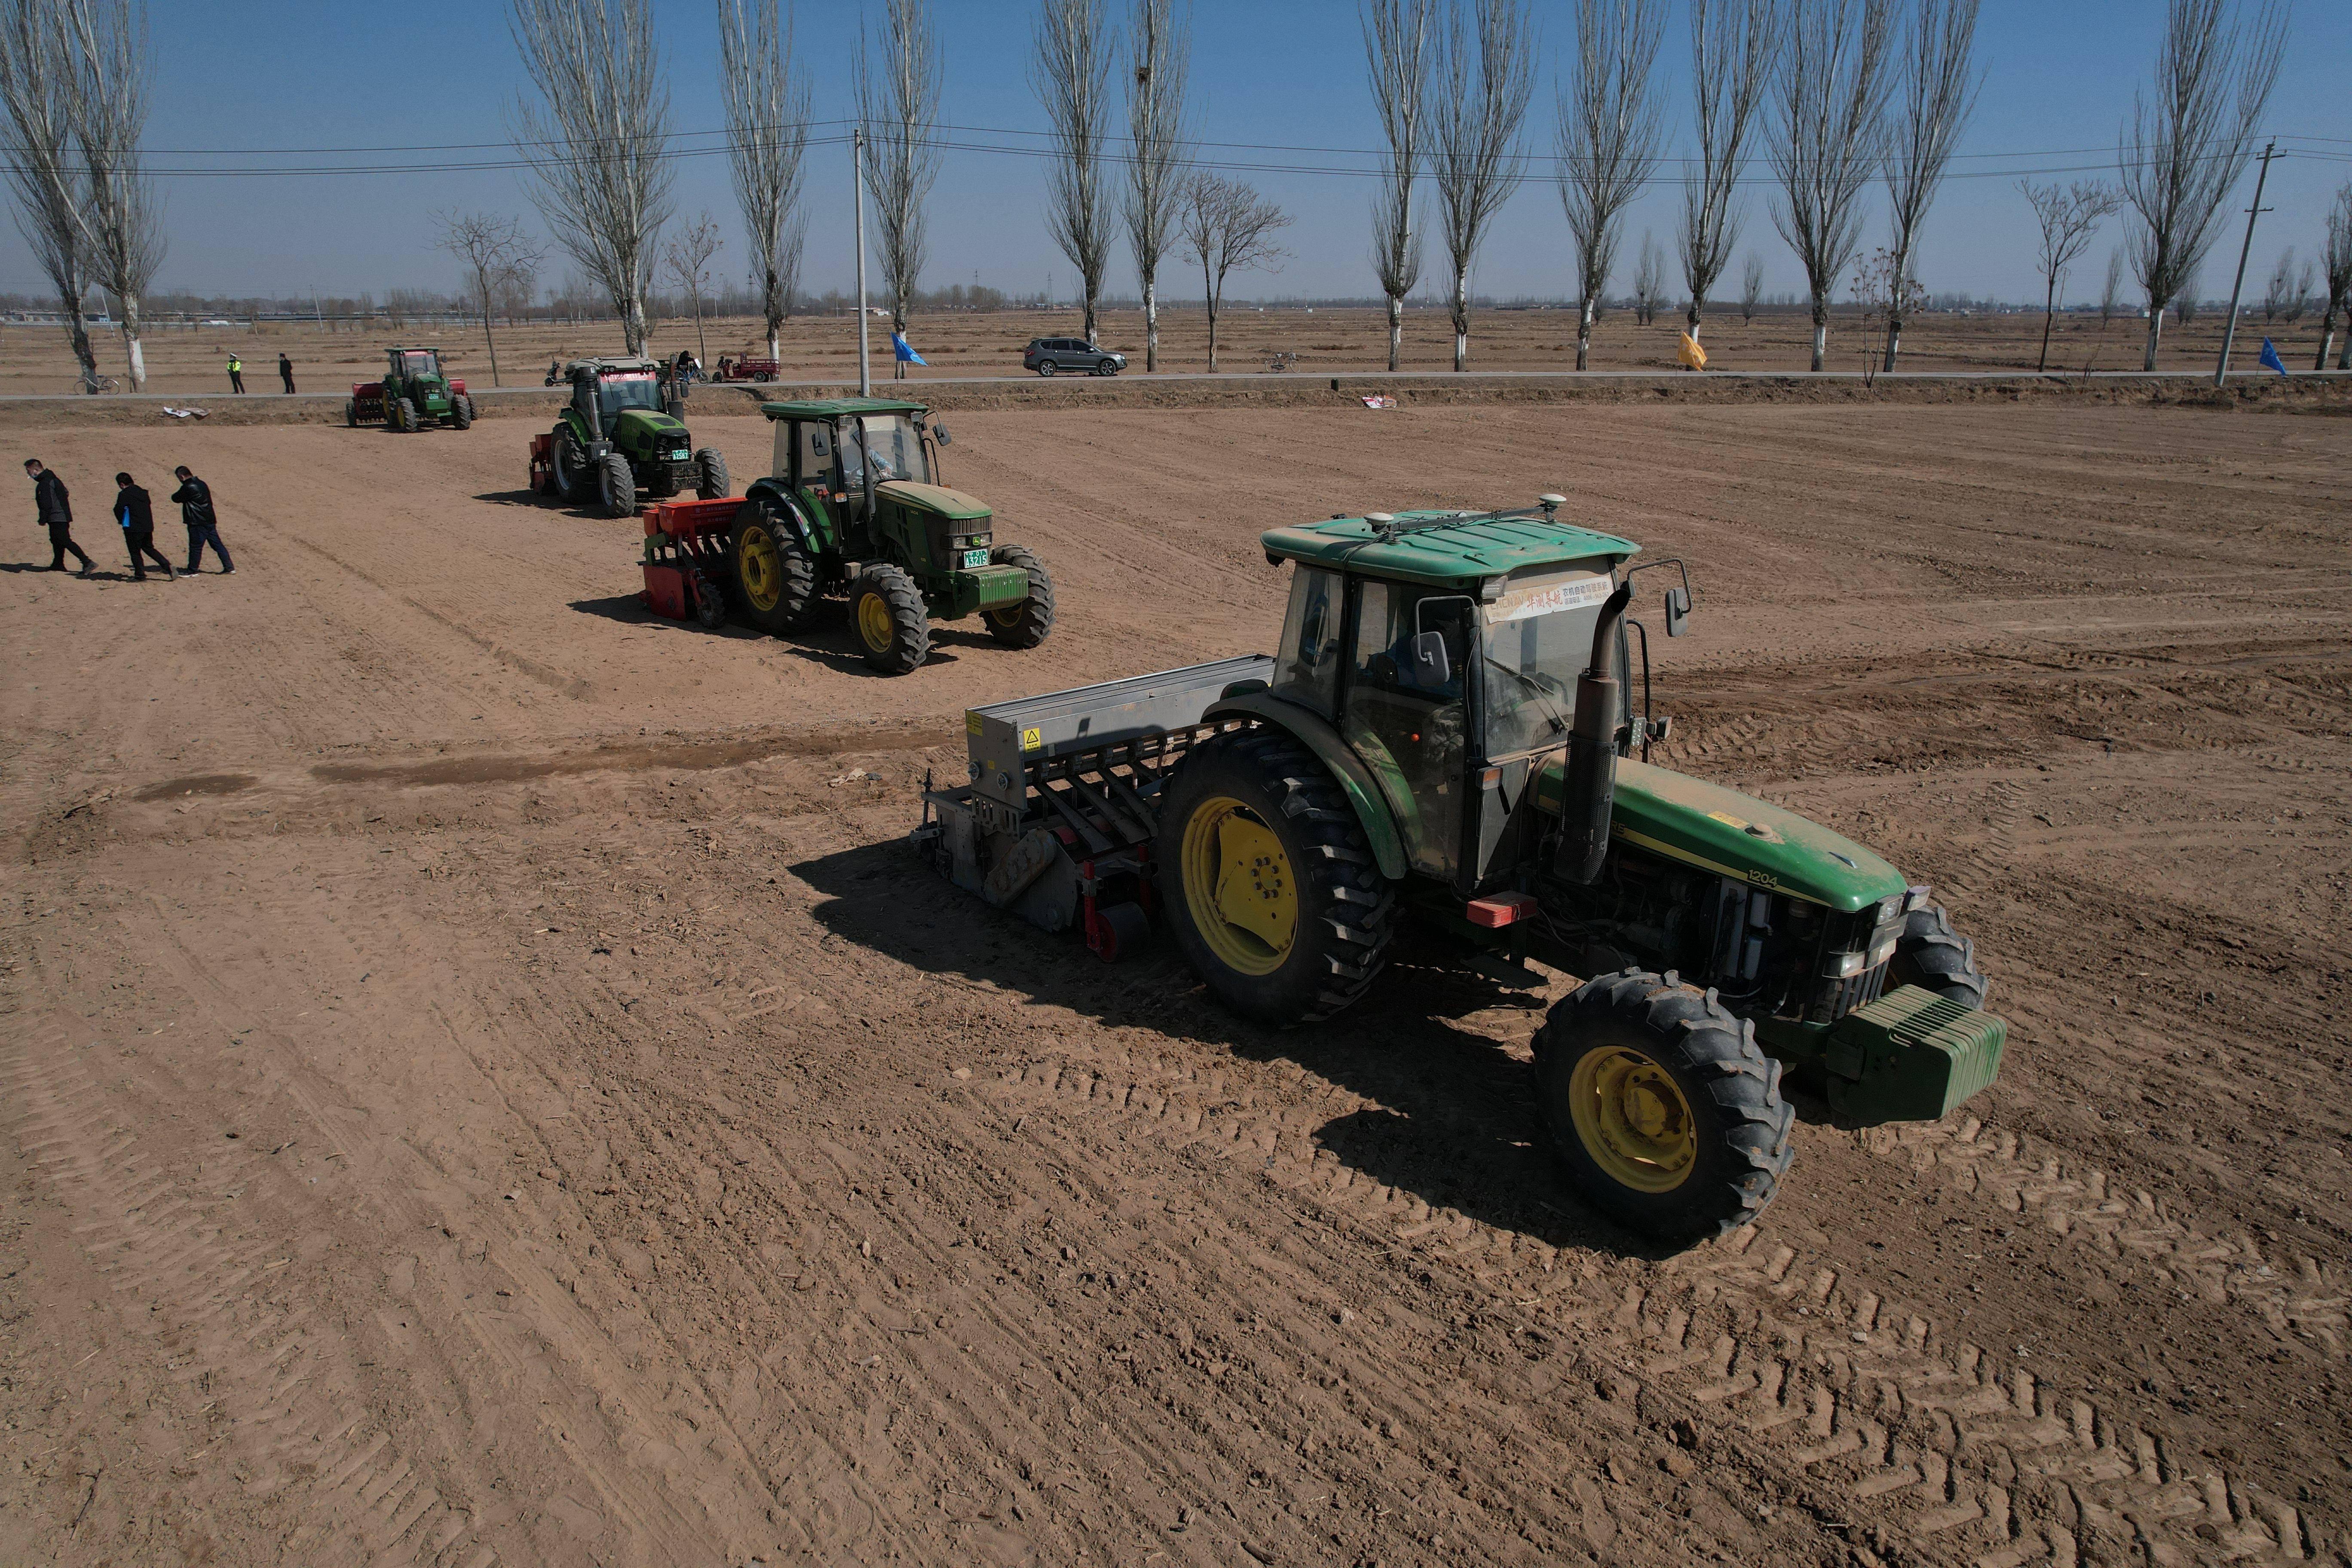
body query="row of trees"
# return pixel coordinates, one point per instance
(73, 84)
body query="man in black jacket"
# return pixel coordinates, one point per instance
(195, 499)
(137, 516)
(286, 372)
(52, 506)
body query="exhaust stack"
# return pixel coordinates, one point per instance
(1589, 786)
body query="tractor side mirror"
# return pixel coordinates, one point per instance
(1431, 668)
(940, 433)
(1677, 610)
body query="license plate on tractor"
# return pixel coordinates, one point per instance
(974, 559)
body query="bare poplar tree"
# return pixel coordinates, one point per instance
(899, 104)
(1484, 78)
(2181, 152)
(1832, 83)
(498, 259)
(1649, 279)
(687, 258)
(2336, 254)
(1751, 288)
(1071, 72)
(1731, 61)
(1155, 179)
(2276, 295)
(2111, 301)
(595, 140)
(2068, 217)
(1398, 39)
(110, 116)
(766, 105)
(1226, 227)
(1939, 88)
(1607, 141)
(37, 86)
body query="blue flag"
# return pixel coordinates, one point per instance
(2271, 358)
(905, 353)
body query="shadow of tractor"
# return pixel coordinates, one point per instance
(1452, 1119)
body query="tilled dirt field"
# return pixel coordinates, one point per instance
(485, 1081)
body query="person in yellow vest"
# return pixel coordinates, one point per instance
(235, 373)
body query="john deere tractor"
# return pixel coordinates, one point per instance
(620, 435)
(413, 393)
(1445, 754)
(853, 509)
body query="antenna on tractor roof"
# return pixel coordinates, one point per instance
(1383, 523)
(1552, 504)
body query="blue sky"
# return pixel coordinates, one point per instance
(266, 74)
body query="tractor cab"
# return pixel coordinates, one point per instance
(1447, 648)
(835, 454)
(602, 390)
(413, 365)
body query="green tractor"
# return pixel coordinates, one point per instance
(852, 509)
(1447, 756)
(620, 435)
(415, 392)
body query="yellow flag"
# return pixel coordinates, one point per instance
(1693, 356)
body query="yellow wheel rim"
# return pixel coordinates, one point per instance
(1009, 617)
(1632, 1118)
(1239, 887)
(760, 565)
(874, 623)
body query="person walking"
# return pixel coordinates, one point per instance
(235, 373)
(195, 499)
(55, 509)
(136, 513)
(286, 372)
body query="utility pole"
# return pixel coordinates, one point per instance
(2230, 333)
(865, 366)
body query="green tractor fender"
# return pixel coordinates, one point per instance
(780, 502)
(1318, 735)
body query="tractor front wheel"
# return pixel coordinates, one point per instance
(710, 473)
(894, 631)
(1024, 624)
(405, 416)
(461, 412)
(616, 485)
(1933, 956)
(775, 577)
(1660, 1107)
(1272, 891)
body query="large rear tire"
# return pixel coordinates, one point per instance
(616, 485)
(1660, 1107)
(1271, 890)
(1933, 956)
(1026, 624)
(774, 576)
(710, 473)
(886, 611)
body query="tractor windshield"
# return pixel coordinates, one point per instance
(896, 446)
(637, 389)
(415, 362)
(1538, 637)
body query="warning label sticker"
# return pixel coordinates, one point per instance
(1032, 740)
(1549, 595)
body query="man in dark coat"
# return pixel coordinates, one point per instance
(137, 515)
(195, 499)
(286, 372)
(54, 509)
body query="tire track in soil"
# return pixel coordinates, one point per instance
(299, 1419)
(1847, 1389)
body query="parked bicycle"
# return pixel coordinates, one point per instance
(1281, 362)
(98, 381)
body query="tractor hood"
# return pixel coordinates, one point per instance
(1705, 825)
(937, 500)
(651, 421)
